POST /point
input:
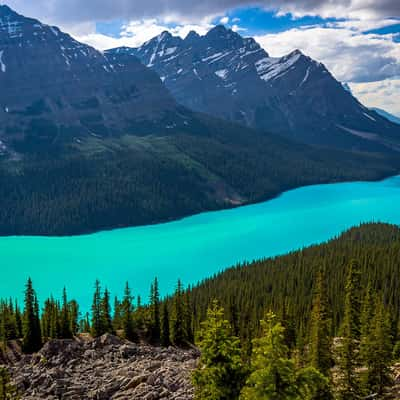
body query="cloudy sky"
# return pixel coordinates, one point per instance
(358, 40)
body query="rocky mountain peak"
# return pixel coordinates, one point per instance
(191, 37)
(7, 11)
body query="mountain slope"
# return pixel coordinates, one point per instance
(232, 77)
(70, 89)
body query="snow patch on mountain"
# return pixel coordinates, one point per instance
(371, 118)
(305, 77)
(271, 68)
(3, 66)
(222, 73)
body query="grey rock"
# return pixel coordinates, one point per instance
(104, 368)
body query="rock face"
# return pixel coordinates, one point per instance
(103, 369)
(232, 77)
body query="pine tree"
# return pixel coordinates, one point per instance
(165, 332)
(65, 322)
(178, 334)
(351, 331)
(127, 315)
(220, 374)
(378, 352)
(32, 339)
(155, 329)
(274, 376)
(97, 327)
(106, 323)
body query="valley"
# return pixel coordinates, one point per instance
(185, 216)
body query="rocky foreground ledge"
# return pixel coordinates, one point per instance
(106, 368)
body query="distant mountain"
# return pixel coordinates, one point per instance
(387, 115)
(54, 88)
(232, 77)
(90, 141)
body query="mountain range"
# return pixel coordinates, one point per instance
(232, 77)
(92, 140)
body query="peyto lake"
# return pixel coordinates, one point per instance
(192, 248)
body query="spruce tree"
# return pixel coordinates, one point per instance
(178, 334)
(116, 320)
(220, 374)
(349, 386)
(320, 347)
(321, 357)
(378, 352)
(139, 313)
(188, 317)
(18, 321)
(274, 376)
(84, 324)
(32, 339)
(165, 332)
(367, 315)
(155, 328)
(65, 322)
(73, 308)
(127, 315)
(106, 323)
(97, 327)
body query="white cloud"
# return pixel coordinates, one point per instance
(224, 20)
(77, 11)
(237, 28)
(135, 33)
(350, 55)
(363, 25)
(384, 94)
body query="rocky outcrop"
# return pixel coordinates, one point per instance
(104, 368)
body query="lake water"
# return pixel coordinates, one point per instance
(195, 247)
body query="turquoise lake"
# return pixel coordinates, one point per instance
(192, 248)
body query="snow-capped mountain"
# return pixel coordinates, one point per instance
(54, 85)
(232, 77)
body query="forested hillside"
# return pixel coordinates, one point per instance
(285, 284)
(134, 180)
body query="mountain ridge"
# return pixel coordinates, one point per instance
(233, 77)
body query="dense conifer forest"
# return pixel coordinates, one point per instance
(320, 323)
(116, 182)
